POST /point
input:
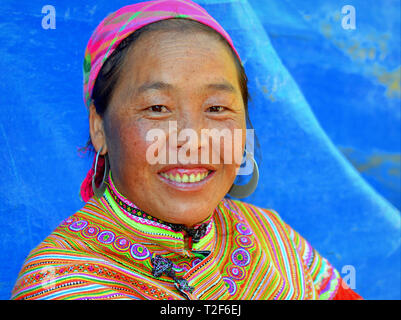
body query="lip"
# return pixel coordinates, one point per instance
(187, 169)
(183, 168)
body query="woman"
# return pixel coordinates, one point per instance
(165, 230)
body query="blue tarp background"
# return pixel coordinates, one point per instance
(325, 107)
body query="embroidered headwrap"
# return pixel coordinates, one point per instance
(119, 25)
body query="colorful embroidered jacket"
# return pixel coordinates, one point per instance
(112, 250)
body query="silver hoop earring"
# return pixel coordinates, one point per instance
(99, 191)
(243, 191)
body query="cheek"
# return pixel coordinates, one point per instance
(231, 149)
(127, 146)
(135, 144)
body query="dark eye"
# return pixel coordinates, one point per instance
(158, 108)
(216, 109)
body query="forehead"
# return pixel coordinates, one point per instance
(187, 59)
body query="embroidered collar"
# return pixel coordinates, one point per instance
(174, 237)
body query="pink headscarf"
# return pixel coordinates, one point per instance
(119, 25)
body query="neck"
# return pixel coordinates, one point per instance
(194, 230)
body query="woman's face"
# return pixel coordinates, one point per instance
(187, 81)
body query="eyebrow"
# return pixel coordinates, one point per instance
(160, 85)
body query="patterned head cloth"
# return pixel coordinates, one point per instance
(119, 25)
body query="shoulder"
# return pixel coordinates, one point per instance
(266, 224)
(65, 264)
(71, 234)
(258, 218)
(276, 233)
(64, 236)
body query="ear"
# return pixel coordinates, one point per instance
(96, 130)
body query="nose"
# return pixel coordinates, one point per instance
(185, 143)
(189, 127)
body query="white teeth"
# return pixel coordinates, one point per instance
(185, 178)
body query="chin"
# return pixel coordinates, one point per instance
(189, 213)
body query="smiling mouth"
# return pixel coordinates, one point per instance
(186, 176)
